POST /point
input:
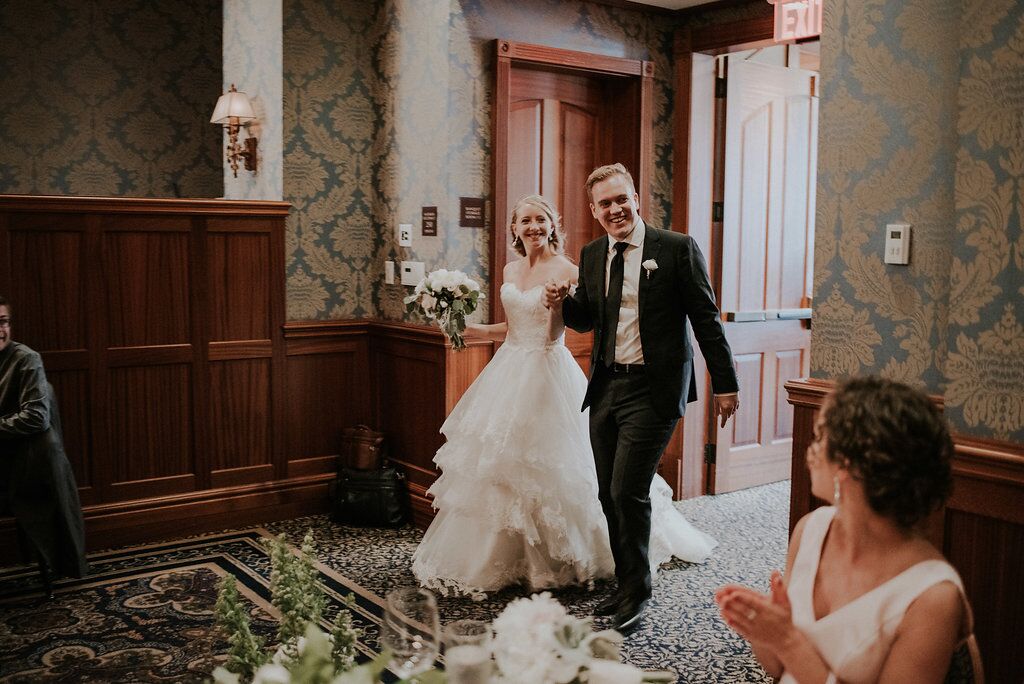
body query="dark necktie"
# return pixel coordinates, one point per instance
(612, 302)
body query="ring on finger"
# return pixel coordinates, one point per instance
(751, 614)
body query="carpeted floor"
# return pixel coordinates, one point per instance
(145, 613)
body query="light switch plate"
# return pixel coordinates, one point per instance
(389, 272)
(405, 235)
(897, 243)
(412, 272)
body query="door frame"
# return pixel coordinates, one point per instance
(699, 422)
(510, 54)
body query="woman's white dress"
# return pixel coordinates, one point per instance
(517, 498)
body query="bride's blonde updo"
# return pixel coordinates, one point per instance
(557, 238)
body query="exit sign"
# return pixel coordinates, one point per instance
(796, 19)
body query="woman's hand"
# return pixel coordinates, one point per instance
(765, 620)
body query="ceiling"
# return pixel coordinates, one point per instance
(672, 4)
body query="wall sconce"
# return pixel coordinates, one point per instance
(232, 111)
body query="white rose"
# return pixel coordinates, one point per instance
(427, 302)
(650, 265)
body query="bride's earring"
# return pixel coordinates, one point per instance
(835, 491)
(551, 236)
(515, 240)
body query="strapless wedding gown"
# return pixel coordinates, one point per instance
(517, 498)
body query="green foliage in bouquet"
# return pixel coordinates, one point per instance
(309, 655)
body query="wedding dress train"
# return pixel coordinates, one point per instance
(517, 498)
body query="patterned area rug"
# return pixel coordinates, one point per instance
(145, 614)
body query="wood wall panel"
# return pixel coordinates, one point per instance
(323, 399)
(980, 529)
(47, 275)
(240, 407)
(150, 423)
(239, 290)
(71, 388)
(147, 288)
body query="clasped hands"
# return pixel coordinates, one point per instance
(555, 291)
(764, 620)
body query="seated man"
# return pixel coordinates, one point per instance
(40, 487)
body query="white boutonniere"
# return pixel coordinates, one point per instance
(650, 266)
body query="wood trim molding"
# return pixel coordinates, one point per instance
(735, 35)
(569, 59)
(146, 205)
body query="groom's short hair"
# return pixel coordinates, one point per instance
(607, 171)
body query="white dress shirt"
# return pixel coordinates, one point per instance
(627, 335)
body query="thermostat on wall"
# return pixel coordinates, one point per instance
(897, 243)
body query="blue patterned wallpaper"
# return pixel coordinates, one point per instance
(922, 121)
(388, 108)
(105, 97)
(253, 62)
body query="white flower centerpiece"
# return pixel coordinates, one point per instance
(536, 641)
(447, 297)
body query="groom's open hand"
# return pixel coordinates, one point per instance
(726, 405)
(554, 293)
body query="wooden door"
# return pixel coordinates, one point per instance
(766, 267)
(554, 127)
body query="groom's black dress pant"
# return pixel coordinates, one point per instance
(628, 437)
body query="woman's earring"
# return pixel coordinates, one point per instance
(551, 236)
(835, 492)
(515, 240)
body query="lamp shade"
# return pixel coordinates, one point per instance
(233, 105)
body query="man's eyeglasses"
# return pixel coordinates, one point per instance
(5, 322)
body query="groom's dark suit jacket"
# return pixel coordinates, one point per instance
(679, 289)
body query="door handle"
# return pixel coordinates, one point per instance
(766, 315)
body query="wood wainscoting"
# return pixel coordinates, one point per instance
(980, 530)
(188, 404)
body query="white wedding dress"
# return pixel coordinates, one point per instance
(517, 498)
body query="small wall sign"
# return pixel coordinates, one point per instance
(471, 212)
(429, 222)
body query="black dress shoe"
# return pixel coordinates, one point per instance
(609, 605)
(627, 617)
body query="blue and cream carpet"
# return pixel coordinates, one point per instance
(145, 614)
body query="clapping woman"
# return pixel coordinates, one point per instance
(866, 598)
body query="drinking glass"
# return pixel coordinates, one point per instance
(467, 652)
(410, 630)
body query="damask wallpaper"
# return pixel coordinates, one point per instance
(105, 97)
(921, 122)
(388, 109)
(253, 62)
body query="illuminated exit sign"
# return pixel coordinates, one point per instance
(796, 19)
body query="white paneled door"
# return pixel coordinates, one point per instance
(767, 247)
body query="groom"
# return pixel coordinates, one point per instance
(637, 288)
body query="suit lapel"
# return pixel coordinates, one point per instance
(597, 274)
(652, 243)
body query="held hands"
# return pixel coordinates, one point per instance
(726, 405)
(555, 292)
(765, 621)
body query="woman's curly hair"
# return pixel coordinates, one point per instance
(557, 239)
(895, 442)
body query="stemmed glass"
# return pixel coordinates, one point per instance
(410, 630)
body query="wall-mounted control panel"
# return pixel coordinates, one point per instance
(389, 272)
(897, 243)
(412, 272)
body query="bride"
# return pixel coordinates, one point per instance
(517, 498)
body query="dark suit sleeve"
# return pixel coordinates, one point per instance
(33, 414)
(576, 311)
(702, 311)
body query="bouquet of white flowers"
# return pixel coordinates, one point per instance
(537, 641)
(448, 297)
